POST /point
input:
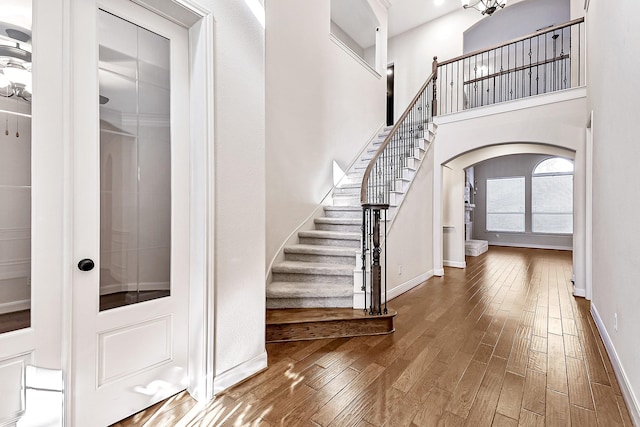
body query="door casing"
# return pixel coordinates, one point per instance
(199, 22)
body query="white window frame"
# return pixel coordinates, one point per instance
(547, 174)
(523, 213)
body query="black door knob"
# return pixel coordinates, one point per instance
(86, 264)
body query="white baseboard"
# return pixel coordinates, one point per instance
(531, 246)
(456, 264)
(239, 373)
(10, 307)
(627, 392)
(438, 272)
(407, 286)
(578, 292)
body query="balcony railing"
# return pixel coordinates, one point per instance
(550, 60)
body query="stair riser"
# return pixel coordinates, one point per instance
(309, 302)
(313, 278)
(343, 214)
(328, 259)
(330, 242)
(346, 201)
(375, 325)
(357, 228)
(347, 190)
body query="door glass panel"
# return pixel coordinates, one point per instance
(135, 163)
(15, 165)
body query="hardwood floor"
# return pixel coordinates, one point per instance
(500, 343)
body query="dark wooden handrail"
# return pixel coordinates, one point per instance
(519, 39)
(387, 140)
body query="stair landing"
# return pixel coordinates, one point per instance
(299, 324)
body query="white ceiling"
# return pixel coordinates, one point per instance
(407, 14)
(16, 12)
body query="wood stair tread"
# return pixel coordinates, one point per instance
(305, 315)
(301, 324)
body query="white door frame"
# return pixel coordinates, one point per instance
(200, 24)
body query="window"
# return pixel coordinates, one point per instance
(505, 204)
(552, 197)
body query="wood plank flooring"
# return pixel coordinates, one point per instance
(297, 324)
(500, 343)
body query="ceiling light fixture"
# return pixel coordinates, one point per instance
(486, 7)
(15, 63)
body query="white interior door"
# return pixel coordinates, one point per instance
(31, 158)
(131, 212)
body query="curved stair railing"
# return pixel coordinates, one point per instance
(549, 60)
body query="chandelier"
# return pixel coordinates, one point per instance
(15, 63)
(486, 7)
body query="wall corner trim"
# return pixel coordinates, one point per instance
(408, 285)
(627, 392)
(239, 373)
(579, 292)
(438, 272)
(455, 264)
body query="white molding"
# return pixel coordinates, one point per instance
(354, 55)
(588, 214)
(438, 272)
(17, 233)
(531, 246)
(455, 264)
(579, 292)
(202, 340)
(10, 307)
(408, 285)
(239, 373)
(515, 105)
(627, 391)
(15, 269)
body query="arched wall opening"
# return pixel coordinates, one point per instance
(452, 200)
(553, 124)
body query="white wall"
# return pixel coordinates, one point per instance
(412, 52)
(408, 246)
(322, 105)
(516, 20)
(346, 39)
(239, 144)
(613, 38)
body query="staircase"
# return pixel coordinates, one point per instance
(318, 271)
(324, 268)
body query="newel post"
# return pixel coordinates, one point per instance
(434, 102)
